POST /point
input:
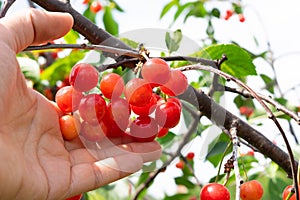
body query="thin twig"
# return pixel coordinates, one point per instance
(235, 143)
(267, 99)
(116, 51)
(262, 103)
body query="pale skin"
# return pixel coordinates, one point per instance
(36, 163)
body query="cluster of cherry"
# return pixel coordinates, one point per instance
(143, 108)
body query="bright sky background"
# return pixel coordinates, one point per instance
(268, 20)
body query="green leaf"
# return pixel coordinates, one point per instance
(142, 178)
(117, 6)
(71, 37)
(90, 15)
(216, 149)
(166, 140)
(269, 82)
(239, 63)
(167, 7)
(61, 67)
(180, 9)
(241, 101)
(184, 181)
(110, 23)
(197, 9)
(130, 43)
(173, 41)
(30, 68)
(216, 12)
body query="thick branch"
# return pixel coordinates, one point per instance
(223, 118)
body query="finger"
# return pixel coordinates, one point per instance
(32, 26)
(86, 177)
(148, 152)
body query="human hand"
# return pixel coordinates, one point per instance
(36, 163)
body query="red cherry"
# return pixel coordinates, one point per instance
(95, 6)
(167, 114)
(241, 18)
(69, 127)
(251, 190)
(143, 129)
(287, 190)
(162, 132)
(180, 164)
(229, 13)
(147, 109)
(92, 132)
(247, 111)
(116, 118)
(176, 85)
(138, 92)
(85, 1)
(175, 100)
(77, 197)
(112, 85)
(190, 156)
(214, 191)
(83, 77)
(92, 108)
(68, 99)
(156, 71)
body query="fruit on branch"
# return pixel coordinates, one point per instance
(190, 156)
(246, 111)
(287, 192)
(176, 85)
(138, 92)
(162, 132)
(95, 6)
(147, 109)
(77, 197)
(251, 190)
(111, 116)
(68, 99)
(116, 118)
(69, 127)
(229, 14)
(242, 17)
(83, 77)
(143, 129)
(156, 71)
(92, 108)
(112, 85)
(167, 114)
(180, 164)
(214, 191)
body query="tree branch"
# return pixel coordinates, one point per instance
(84, 26)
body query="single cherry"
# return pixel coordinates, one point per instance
(251, 190)
(83, 77)
(138, 92)
(214, 191)
(156, 71)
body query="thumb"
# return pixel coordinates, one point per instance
(32, 26)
